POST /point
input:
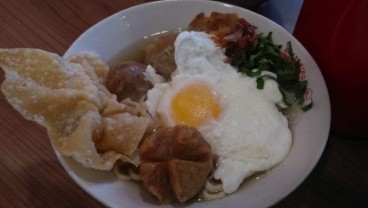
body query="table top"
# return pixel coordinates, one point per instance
(30, 174)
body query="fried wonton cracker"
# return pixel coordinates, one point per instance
(68, 98)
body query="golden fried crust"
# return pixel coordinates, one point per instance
(175, 163)
(69, 99)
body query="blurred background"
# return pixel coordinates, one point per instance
(283, 12)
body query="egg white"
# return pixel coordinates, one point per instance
(251, 134)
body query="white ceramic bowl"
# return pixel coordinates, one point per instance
(116, 33)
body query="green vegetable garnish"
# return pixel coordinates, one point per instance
(263, 55)
(261, 80)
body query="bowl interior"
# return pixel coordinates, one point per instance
(115, 34)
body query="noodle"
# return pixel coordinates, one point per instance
(133, 175)
(213, 191)
(126, 172)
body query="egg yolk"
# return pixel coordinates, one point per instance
(195, 105)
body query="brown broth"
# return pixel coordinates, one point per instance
(137, 51)
(134, 52)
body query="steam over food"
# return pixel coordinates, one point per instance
(186, 123)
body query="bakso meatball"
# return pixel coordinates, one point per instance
(127, 80)
(175, 164)
(160, 54)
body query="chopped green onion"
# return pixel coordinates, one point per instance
(307, 106)
(260, 83)
(262, 79)
(253, 72)
(264, 56)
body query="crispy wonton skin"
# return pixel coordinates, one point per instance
(68, 97)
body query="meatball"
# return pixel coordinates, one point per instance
(175, 163)
(160, 54)
(127, 80)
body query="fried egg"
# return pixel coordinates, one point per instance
(242, 123)
(191, 101)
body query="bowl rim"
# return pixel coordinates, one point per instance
(281, 31)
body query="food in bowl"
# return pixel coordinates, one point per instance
(197, 126)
